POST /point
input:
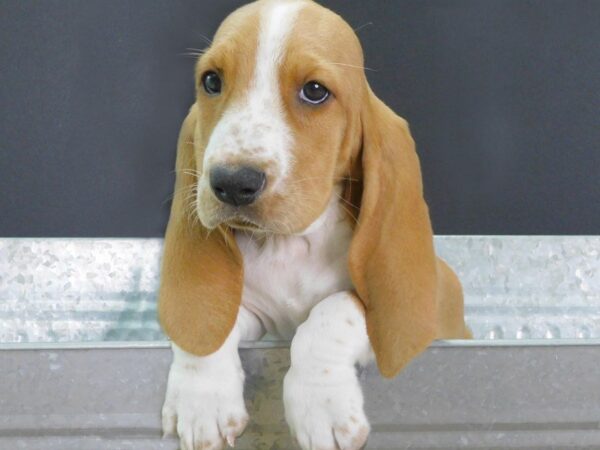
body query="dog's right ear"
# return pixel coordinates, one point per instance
(202, 271)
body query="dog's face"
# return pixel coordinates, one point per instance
(278, 103)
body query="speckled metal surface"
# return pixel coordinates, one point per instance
(60, 294)
(61, 290)
(66, 290)
(528, 287)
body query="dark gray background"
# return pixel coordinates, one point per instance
(503, 98)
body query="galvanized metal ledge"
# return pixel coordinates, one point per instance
(268, 344)
(83, 364)
(475, 397)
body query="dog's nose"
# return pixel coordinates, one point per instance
(239, 186)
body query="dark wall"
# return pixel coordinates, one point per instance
(503, 98)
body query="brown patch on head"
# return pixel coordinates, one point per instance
(231, 55)
(321, 47)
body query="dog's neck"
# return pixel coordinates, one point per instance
(286, 275)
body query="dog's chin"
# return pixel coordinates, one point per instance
(212, 220)
(244, 225)
(231, 219)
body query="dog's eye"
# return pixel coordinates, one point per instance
(314, 93)
(211, 82)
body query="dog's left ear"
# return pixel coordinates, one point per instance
(392, 261)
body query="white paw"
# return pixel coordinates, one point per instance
(205, 409)
(325, 412)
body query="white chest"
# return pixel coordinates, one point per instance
(285, 276)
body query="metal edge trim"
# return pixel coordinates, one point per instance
(483, 343)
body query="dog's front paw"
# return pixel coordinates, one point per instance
(205, 409)
(324, 413)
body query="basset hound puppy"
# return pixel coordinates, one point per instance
(299, 212)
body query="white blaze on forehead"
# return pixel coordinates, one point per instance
(254, 130)
(276, 22)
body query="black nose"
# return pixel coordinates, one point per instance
(239, 186)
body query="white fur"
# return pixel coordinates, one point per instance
(204, 402)
(255, 128)
(285, 276)
(322, 396)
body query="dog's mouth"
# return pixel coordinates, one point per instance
(240, 224)
(245, 224)
(247, 218)
(234, 218)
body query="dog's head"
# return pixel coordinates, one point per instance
(283, 114)
(280, 93)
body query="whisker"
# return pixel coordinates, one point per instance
(192, 172)
(346, 201)
(351, 213)
(364, 25)
(204, 38)
(197, 50)
(179, 191)
(351, 65)
(189, 55)
(300, 180)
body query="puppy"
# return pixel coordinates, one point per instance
(298, 211)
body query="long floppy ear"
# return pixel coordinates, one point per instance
(202, 272)
(392, 261)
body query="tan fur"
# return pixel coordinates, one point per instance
(410, 297)
(232, 52)
(392, 260)
(198, 305)
(451, 314)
